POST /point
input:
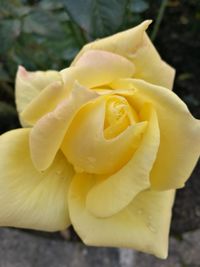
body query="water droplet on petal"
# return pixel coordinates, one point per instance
(78, 169)
(140, 211)
(151, 228)
(91, 159)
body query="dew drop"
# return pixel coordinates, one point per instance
(139, 212)
(78, 169)
(151, 228)
(91, 159)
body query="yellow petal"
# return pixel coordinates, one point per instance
(150, 67)
(48, 133)
(28, 198)
(30, 84)
(142, 225)
(180, 135)
(135, 45)
(88, 150)
(44, 102)
(117, 191)
(96, 68)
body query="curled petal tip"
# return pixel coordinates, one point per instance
(146, 23)
(22, 71)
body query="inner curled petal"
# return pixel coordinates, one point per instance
(108, 196)
(118, 116)
(86, 147)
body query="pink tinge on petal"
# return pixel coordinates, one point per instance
(23, 72)
(48, 133)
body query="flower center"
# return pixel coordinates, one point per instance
(118, 116)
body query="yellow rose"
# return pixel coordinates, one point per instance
(105, 144)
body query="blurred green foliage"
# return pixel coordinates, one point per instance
(47, 34)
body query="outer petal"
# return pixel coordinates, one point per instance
(135, 45)
(48, 133)
(96, 68)
(30, 199)
(180, 134)
(114, 193)
(44, 102)
(142, 225)
(29, 85)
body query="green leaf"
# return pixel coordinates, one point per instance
(22, 11)
(9, 31)
(43, 23)
(30, 52)
(45, 52)
(65, 50)
(97, 18)
(50, 5)
(13, 9)
(62, 16)
(8, 8)
(4, 77)
(138, 6)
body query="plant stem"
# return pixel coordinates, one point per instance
(159, 19)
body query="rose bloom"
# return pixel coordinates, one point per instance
(105, 144)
